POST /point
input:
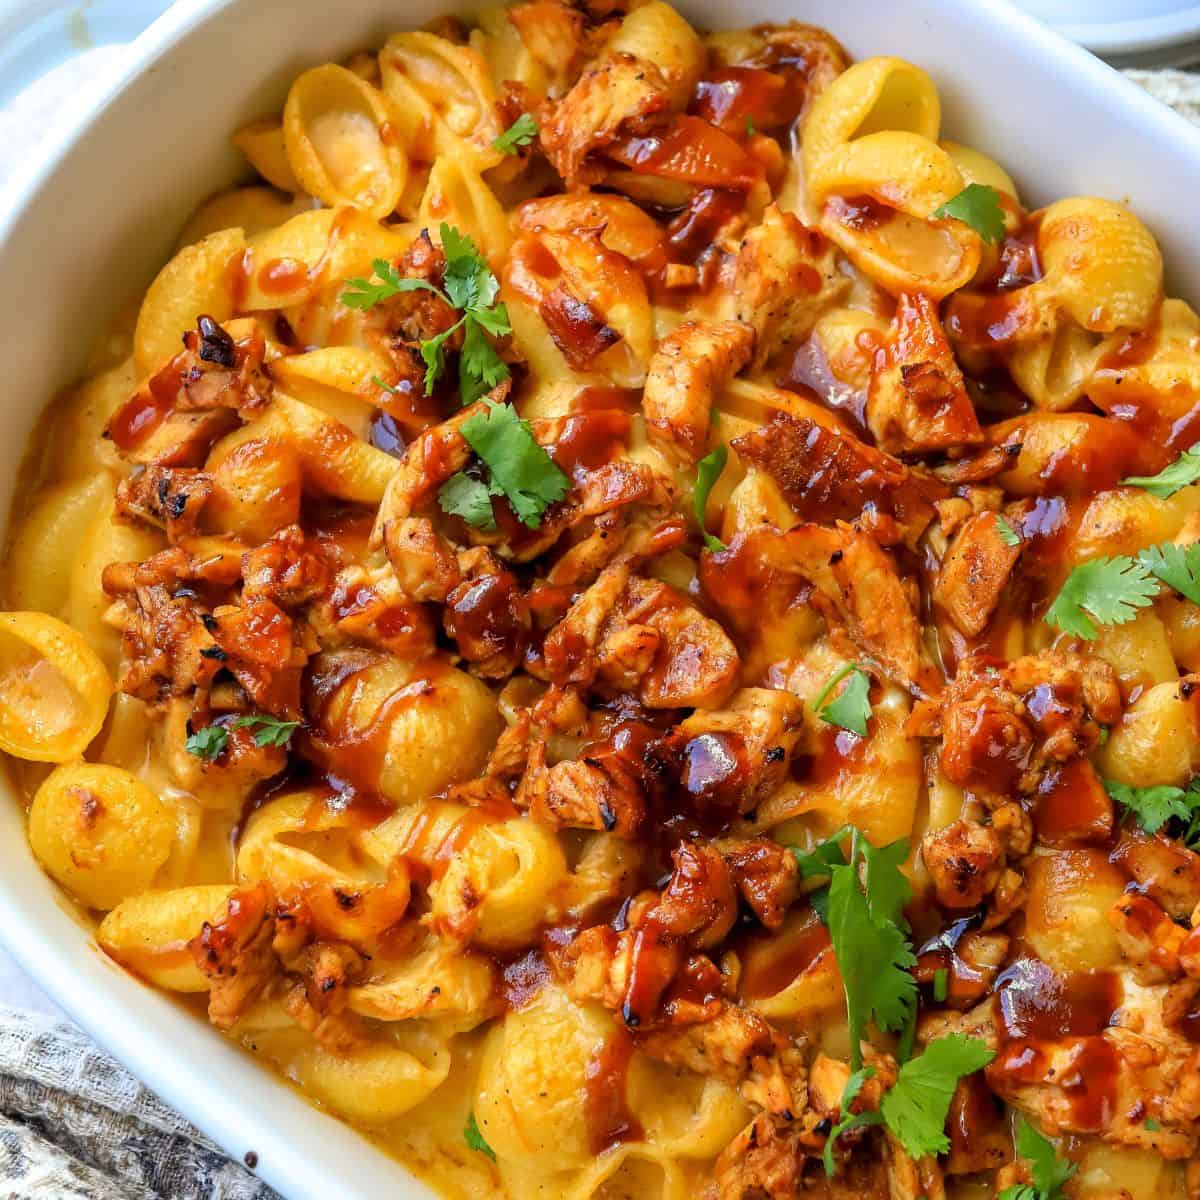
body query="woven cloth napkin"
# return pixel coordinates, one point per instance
(76, 1126)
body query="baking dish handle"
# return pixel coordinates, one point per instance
(36, 36)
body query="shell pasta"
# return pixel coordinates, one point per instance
(626, 616)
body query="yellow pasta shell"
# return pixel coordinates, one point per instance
(341, 140)
(197, 281)
(1101, 264)
(149, 934)
(871, 96)
(262, 143)
(100, 832)
(54, 690)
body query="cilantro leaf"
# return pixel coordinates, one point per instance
(470, 499)
(750, 129)
(1177, 566)
(872, 956)
(823, 856)
(475, 1140)
(1153, 807)
(851, 709)
(887, 887)
(915, 1108)
(494, 319)
(271, 732)
(471, 288)
(849, 1120)
(433, 352)
(1151, 1125)
(708, 471)
(1109, 589)
(1183, 471)
(469, 280)
(384, 284)
(480, 368)
(520, 133)
(207, 743)
(1008, 535)
(979, 206)
(520, 469)
(1048, 1170)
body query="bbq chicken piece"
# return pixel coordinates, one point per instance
(687, 374)
(826, 473)
(234, 953)
(965, 861)
(786, 275)
(734, 758)
(168, 498)
(605, 788)
(1163, 869)
(608, 95)
(1004, 728)
(628, 634)
(177, 415)
(288, 569)
(862, 589)
(765, 1161)
(917, 400)
(724, 1047)
(976, 572)
(767, 877)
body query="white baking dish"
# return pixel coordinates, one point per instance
(100, 215)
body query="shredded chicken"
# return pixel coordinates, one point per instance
(917, 399)
(686, 376)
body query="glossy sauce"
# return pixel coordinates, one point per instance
(282, 275)
(606, 1104)
(358, 755)
(1071, 807)
(1035, 1006)
(770, 964)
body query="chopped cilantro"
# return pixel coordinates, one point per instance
(823, 856)
(1183, 471)
(433, 354)
(708, 471)
(470, 499)
(1048, 1170)
(520, 133)
(1153, 807)
(979, 206)
(1109, 589)
(1176, 566)
(207, 743)
(851, 709)
(475, 1140)
(1008, 535)
(873, 954)
(383, 285)
(271, 732)
(520, 469)
(941, 984)
(750, 130)
(1151, 1125)
(471, 288)
(915, 1109)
